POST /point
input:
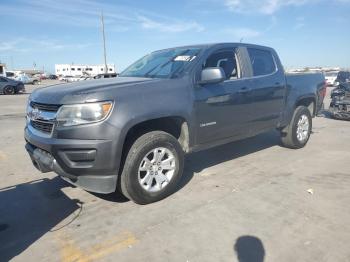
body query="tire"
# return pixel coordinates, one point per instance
(9, 90)
(130, 182)
(289, 135)
(35, 82)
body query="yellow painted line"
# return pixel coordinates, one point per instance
(70, 251)
(3, 156)
(111, 246)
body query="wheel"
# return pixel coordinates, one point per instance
(35, 82)
(152, 168)
(297, 133)
(9, 90)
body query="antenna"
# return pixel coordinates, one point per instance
(104, 42)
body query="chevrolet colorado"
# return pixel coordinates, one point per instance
(130, 133)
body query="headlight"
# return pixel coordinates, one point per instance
(71, 115)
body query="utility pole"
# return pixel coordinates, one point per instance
(104, 42)
(12, 68)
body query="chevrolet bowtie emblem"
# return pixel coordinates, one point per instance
(35, 114)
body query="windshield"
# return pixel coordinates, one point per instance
(162, 64)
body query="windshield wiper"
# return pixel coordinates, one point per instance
(148, 72)
(164, 64)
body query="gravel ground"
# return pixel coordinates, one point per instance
(251, 198)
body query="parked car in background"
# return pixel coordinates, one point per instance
(28, 80)
(342, 77)
(340, 104)
(107, 75)
(52, 77)
(10, 75)
(78, 78)
(131, 132)
(65, 78)
(40, 76)
(9, 86)
(330, 78)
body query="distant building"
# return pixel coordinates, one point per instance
(29, 72)
(2, 70)
(79, 69)
(313, 69)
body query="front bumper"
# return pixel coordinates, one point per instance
(21, 88)
(89, 164)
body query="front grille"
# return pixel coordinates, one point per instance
(45, 107)
(43, 126)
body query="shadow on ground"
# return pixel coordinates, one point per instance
(30, 210)
(325, 113)
(116, 197)
(198, 161)
(249, 249)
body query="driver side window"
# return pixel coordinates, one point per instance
(226, 59)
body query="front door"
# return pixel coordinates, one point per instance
(223, 110)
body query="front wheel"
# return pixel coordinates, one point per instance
(9, 90)
(152, 169)
(297, 133)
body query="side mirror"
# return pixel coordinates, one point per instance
(212, 75)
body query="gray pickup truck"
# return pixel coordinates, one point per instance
(130, 133)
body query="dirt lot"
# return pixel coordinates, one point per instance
(251, 188)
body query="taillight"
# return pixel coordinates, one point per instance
(323, 89)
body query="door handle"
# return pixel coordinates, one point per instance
(244, 90)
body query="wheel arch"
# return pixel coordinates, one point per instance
(175, 125)
(307, 101)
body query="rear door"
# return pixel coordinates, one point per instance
(223, 110)
(268, 89)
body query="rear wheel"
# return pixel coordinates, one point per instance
(297, 133)
(9, 90)
(153, 168)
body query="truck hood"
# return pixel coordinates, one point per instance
(85, 91)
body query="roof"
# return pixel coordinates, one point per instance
(223, 45)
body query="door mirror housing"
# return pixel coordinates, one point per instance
(212, 75)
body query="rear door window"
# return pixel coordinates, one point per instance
(262, 62)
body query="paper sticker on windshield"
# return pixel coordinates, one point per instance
(184, 58)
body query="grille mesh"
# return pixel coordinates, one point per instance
(45, 107)
(42, 126)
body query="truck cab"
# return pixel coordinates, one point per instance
(250, 98)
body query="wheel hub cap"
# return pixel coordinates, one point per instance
(303, 128)
(156, 169)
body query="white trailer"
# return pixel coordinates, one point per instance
(80, 69)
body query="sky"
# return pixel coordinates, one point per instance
(49, 32)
